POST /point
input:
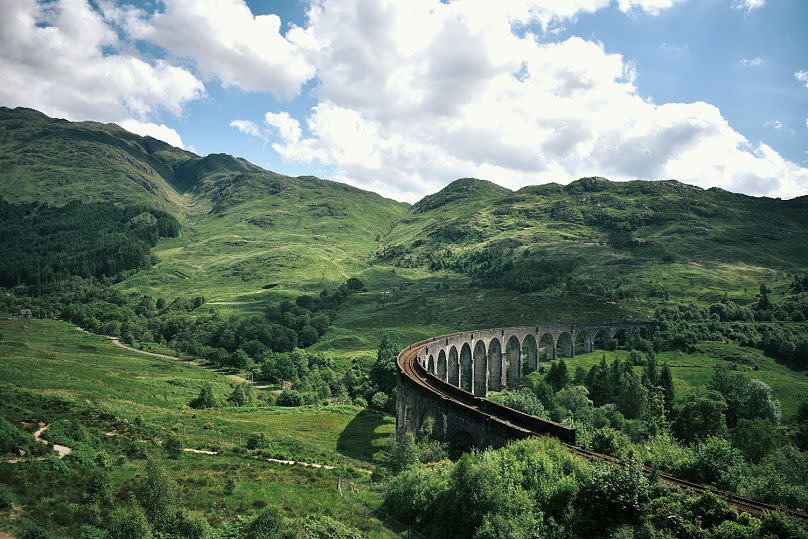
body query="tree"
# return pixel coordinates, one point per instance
(756, 438)
(666, 381)
(190, 525)
(239, 359)
(557, 376)
(243, 395)
(384, 371)
(290, 397)
(801, 431)
(576, 400)
(717, 462)
(307, 336)
(205, 399)
(633, 398)
(156, 494)
(763, 300)
(700, 415)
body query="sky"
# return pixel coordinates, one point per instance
(403, 97)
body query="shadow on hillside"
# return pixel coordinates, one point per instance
(357, 439)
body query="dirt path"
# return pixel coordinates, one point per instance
(61, 450)
(234, 377)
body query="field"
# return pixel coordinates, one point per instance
(54, 358)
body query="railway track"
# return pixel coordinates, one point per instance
(524, 426)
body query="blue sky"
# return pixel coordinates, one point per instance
(402, 98)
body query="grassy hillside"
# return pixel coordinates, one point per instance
(50, 160)
(99, 380)
(634, 242)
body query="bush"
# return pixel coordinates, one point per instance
(13, 439)
(379, 400)
(257, 441)
(191, 525)
(269, 524)
(610, 441)
(6, 499)
(129, 524)
(205, 398)
(290, 397)
(173, 447)
(361, 402)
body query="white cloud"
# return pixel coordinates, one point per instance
(288, 127)
(802, 76)
(654, 7)
(413, 96)
(752, 62)
(64, 59)
(160, 132)
(748, 5)
(226, 41)
(248, 128)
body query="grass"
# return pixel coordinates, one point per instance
(53, 358)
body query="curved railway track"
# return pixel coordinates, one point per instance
(524, 426)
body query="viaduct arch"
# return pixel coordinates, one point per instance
(472, 363)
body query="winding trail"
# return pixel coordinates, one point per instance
(195, 362)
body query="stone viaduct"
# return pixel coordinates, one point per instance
(447, 378)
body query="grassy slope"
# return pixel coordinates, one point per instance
(53, 357)
(55, 161)
(697, 244)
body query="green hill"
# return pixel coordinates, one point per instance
(472, 254)
(627, 241)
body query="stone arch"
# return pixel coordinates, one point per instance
(601, 339)
(530, 354)
(453, 373)
(480, 369)
(513, 360)
(547, 343)
(494, 365)
(430, 365)
(565, 345)
(466, 368)
(461, 442)
(583, 342)
(442, 367)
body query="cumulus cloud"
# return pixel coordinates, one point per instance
(249, 128)
(158, 131)
(227, 42)
(416, 95)
(64, 58)
(802, 76)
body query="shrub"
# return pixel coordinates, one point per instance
(205, 398)
(269, 524)
(12, 438)
(290, 397)
(156, 494)
(191, 525)
(129, 524)
(361, 402)
(6, 499)
(610, 441)
(379, 400)
(257, 441)
(173, 447)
